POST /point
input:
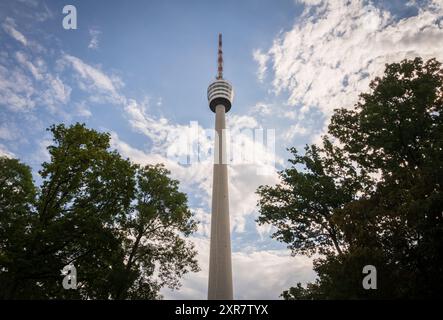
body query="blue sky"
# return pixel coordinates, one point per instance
(140, 71)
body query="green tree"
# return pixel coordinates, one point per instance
(121, 225)
(158, 221)
(376, 198)
(17, 199)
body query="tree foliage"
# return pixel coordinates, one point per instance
(122, 226)
(371, 193)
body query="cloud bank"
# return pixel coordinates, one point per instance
(336, 47)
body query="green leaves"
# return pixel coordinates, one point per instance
(17, 200)
(302, 206)
(376, 197)
(121, 225)
(158, 220)
(399, 123)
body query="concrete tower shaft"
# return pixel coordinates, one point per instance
(220, 96)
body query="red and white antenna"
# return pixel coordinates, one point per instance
(220, 58)
(220, 91)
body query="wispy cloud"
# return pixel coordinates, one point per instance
(295, 130)
(82, 110)
(4, 152)
(46, 88)
(262, 109)
(10, 28)
(94, 80)
(16, 89)
(94, 33)
(32, 3)
(337, 47)
(262, 59)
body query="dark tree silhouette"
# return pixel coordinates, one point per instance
(374, 197)
(122, 226)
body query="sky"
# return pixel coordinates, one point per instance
(140, 70)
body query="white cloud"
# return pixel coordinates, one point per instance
(94, 33)
(336, 47)
(22, 59)
(261, 59)
(32, 3)
(310, 2)
(94, 80)
(44, 14)
(262, 109)
(291, 114)
(273, 272)
(10, 28)
(16, 89)
(204, 219)
(39, 10)
(295, 130)
(239, 122)
(265, 230)
(243, 183)
(256, 274)
(46, 88)
(42, 154)
(159, 130)
(58, 91)
(6, 133)
(4, 152)
(82, 110)
(193, 179)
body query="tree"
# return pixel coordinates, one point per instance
(378, 187)
(157, 221)
(17, 198)
(121, 225)
(302, 206)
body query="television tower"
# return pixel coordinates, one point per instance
(220, 96)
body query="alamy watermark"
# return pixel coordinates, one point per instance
(70, 277)
(247, 146)
(370, 280)
(70, 20)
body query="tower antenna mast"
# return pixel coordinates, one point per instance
(220, 58)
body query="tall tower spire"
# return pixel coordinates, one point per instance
(220, 58)
(220, 96)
